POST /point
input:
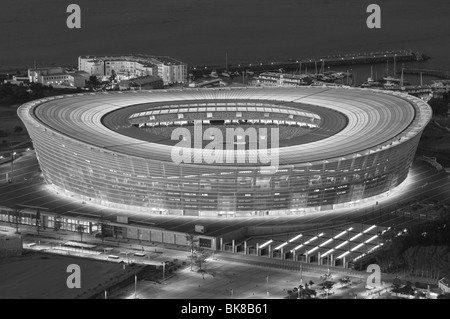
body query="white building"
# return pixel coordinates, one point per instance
(58, 76)
(18, 80)
(132, 66)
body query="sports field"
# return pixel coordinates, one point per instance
(42, 276)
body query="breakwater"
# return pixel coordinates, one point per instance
(313, 64)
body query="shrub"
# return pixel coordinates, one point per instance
(439, 106)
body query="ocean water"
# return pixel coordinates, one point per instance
(200, 32)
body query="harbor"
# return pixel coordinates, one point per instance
(313, 64)
(443, 74)
(318, 72)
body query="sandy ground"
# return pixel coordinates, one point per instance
(44, 276)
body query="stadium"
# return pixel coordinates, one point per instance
(334, 147)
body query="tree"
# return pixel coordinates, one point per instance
(301, 293)
(327, 282)
(80, 229)
(38, 221)
(94, 83)
(327, 286)
(446, 97)
(20, 93)
(439, 106)
(18, 129)
(396, 284)
(345, 281)
(310, 293)
(408, 289)
(410, 258)
(57, 224)
(17, 216)
(102, 223)
(37, 89)
(113, 76)
(192, 241)
(326, 277)
(200, 256)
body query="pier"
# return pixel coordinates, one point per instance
(443, 74)
(314, 64)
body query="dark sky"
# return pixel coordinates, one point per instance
(201, 31)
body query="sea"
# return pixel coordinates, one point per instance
(203, 32)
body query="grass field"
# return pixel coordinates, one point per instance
(40, 276)
(8, 121)
(435, 142)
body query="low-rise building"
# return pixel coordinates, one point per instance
(142, 83)
(58, 76)
(17, 80)
(126, 67)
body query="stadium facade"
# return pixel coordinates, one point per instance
(338, 147)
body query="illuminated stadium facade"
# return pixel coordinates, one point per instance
(337, 146)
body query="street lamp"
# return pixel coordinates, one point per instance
(135, 286)
(12, 163)
(301, 274)
(267, 285)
